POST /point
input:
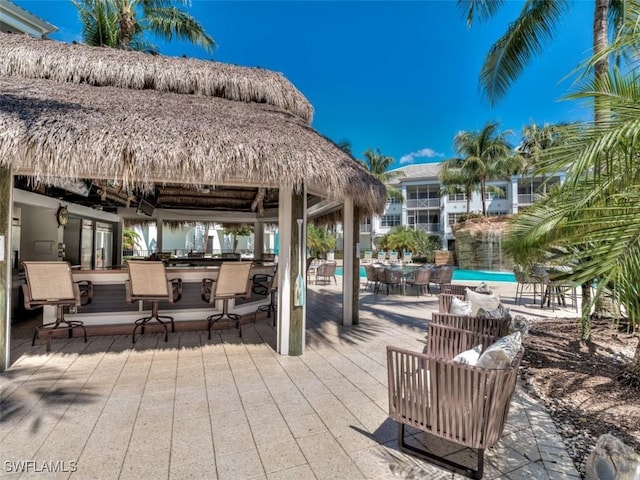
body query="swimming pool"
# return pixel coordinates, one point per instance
(464, 275)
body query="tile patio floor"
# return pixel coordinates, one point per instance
(232, 409)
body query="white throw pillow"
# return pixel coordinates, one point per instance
(469, 357)
(480, 300)
(459, 307)
(501, 353)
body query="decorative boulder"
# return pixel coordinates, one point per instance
(611, 459)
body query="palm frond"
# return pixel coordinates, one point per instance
(170, 21)
(524, 38)
(483, 9)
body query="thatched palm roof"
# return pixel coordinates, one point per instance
(87, 112)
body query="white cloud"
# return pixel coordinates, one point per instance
(422, 153)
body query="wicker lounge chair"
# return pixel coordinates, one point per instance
(490, 326)
(464, 404)
(148, 282)
(51, 283)
(234, 281)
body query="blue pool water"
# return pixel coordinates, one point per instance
(464, 275)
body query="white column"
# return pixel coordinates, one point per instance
(514, 194)
(347, 267)
(284, 270)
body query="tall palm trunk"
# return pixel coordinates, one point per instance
(127, 23)
(600, 43)
(482, 195)
(601, 115)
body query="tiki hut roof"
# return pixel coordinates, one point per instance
(140, 121)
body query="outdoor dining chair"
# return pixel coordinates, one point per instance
(51, 283)
(326, 272)
(147, 282)
(372, 277)
(525, 281)
(234, 281)
(420, 280)
(389, 277)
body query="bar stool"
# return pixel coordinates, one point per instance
(148, 282)
(51, 283)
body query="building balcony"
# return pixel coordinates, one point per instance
(427, 227)
(528, 198)
(424, 203)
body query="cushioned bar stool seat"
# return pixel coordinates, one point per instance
(51, 283)
(148, 283)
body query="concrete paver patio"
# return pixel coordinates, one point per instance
(233, 409)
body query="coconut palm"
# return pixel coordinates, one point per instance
(122, 23)
(379, 164)
(455, 179)
(526, 36)
(486, 155)
(535, 140)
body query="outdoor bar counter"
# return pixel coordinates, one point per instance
(109, 306)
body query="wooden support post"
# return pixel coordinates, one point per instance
(349, 297)
(6, 209)
(355, 309)
(298, 256)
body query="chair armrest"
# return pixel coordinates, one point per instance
(127, 291)
(205, 289)
(86, 291)
(175, 286)
(27, 297)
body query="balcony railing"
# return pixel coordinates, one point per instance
(528, 198)
(428, 227)
(424, 203)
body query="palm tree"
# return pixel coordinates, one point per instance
(592, 220)
(122, 23)
(319, 240)
(99, 20)
(486, 155)
(535, 140)
(379, 164)
(525, 37)
(455, 179)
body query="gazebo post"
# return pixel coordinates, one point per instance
(355, 299)
(291, 318)
(349, 267)
(6, 206)
(258, 239)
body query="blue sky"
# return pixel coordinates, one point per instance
(398, 76)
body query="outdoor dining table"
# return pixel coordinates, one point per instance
(406, 272)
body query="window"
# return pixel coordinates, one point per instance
(492, 195)
(497, 214)
(391, 200)
(390, 221)
(457, 197)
